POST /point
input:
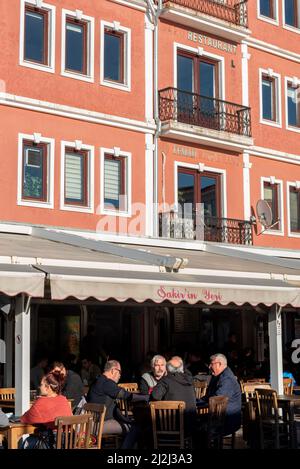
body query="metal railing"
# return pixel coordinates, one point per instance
(215, 229)
(211, 113)
(233, 11)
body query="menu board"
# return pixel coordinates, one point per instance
(186, 320)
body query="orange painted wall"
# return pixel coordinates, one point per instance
(23, 81)
(271, 33)
(16, 121)
(262, 167)
(170, 33)
(266, 135)
(212, 158)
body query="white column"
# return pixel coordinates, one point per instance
(245, 75)
(246, 185)
(149, 28)
(22, 356)
(149, 209)
(275, 341)
(9, 330)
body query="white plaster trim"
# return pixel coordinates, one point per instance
(136, 4)
(89, 77)
(126, 86)
(149, 184)
(274, 21)
(277, 77)
(149, 98)
(195, 50)
(291, 234)
(90, 179)
(117, 213)
(246, 185)
(50, 68)
(272, 49)
(245, 75)
(280, 231)
(75, 113)
(275, 155)
(50, 173)
(222, 172)
(289, 127)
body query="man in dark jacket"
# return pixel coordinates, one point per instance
(178, 386)
(105, 390)
(225, 383)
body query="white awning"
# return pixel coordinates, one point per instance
(174, 287)
(16, 279)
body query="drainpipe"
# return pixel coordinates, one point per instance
(155, 16)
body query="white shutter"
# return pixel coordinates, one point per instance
(73, 176)
(112, 180)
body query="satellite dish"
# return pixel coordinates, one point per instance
(264, 213)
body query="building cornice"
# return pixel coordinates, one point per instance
(275, 155)
(71, 112)
(272, 49)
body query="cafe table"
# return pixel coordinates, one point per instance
(14, 431)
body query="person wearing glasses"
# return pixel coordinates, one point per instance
(105, 390)
(225, 383)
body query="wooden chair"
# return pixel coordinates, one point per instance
(7, 394)
(98, 413)
(168, 424)
(288, 386)
(273, 430)
(74, 432)
(217, 406)
(249, 389)
(130, 387)
(200, 388)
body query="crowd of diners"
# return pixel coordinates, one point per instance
(166, 380)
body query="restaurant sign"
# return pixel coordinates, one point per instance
(209, 41)
(185, 294)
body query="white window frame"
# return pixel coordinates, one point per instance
(277, 77)
(89, 208)
(289, 127)
(280, 231)
(291, 234)
(201, 53)
(126, 86)
(223, 188)
(89, 77)
(50, 172)
(274, 21)
(287, 26)
(50, 68)
(128, 163)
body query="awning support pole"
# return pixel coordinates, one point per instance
(22, 355)
(275, 341)
(9, 328)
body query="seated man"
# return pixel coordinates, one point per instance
(149, 380)
(105, 391)
(225, 383)
(177, 386)
(89, 371)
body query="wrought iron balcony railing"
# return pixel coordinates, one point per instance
(211, 113)
(219, 230)
(233, 11)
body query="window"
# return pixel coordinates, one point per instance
(115, 56)
(267, 8)
(294, 195)
(293, 108)
(37, 35)
(271, 195)
(194, 188)
(115, 183)
(291, 13)
(76, 177)
(269, 98)
(76, 46)
(35, 171)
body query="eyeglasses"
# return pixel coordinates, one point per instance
(117, 369)
(214, 363)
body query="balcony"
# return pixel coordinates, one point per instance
(214, 229)
(199, 119)
(225, 18)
